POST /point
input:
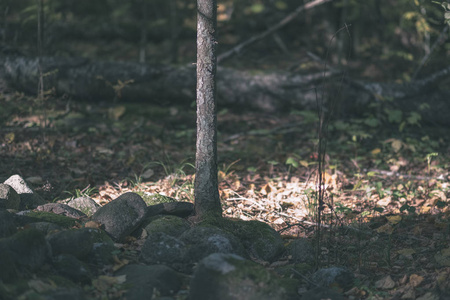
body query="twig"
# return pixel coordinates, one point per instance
(390, 173)
(271, 30)
(304, 277)
(440, 40)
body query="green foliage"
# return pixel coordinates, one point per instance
(86, 192)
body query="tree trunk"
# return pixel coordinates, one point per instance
(207, 201)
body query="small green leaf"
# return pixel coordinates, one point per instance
(372, 122)
(281, 5)
(257, 8)
(414, 118)
(394, 115)
(292, 161)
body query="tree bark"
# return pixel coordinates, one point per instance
(206, 190)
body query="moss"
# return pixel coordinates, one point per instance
(154, 199)
(295, 270)
(60, 220)
(259, 238)
(267, 283)
(170, 225)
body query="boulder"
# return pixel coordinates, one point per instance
(70, 267)
(28, 199)
(260, 240)
(77, 242)
(338, 278)
(85, 204)
(61, 209)
(28, 249)
(45, 227)
(143, 281)
(160, 248)
(8, 225)
(9, 199)
(121, 216)
(28, 216)
(170, 225)
(224, 276)
(301, 251)
(203, 241)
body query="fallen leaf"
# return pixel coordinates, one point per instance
(386, 283)
(41, 286)
(415, 280)
(92, 224)
(375, 151)
(394, 219)
(408, 252)
(386, 228)
(103, 282)
(429, 296)
(147, 174)
(304, 163)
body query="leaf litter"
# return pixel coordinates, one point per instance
(387, 208)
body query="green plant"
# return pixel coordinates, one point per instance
(86, 192)
(428, 158)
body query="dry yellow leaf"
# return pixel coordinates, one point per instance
(376, 151)
(408, 252)
(394, 219)
(386, 228)
(9, 137)
(415, 280)
(304, 163)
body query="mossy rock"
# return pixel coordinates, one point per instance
(295, 270)
(43, 216)
(153, 199)
(227, 276)
(260, 240)
(170, 225)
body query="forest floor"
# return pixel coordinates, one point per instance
(387, 196)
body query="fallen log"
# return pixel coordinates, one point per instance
(263, 91)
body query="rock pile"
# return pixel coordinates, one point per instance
(126, 249)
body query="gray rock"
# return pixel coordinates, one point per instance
(320, 293)
(301, 251)
(122, 215)
(70, 267)
(203, 241)
(260, 240)
(223, 276)
(65, 294)
(9, 199)
(160, 248)
(336, 277)
(8, 270)
(77, 242)
(144, 280)
(28, 248)
(61, 209)
(180, 209)
(7, 224)
(102, 253)
(85, 204)
(28, 199)
(30, 216)
(45, 227)
(170, 225)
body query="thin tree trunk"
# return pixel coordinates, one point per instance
(207, 201)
